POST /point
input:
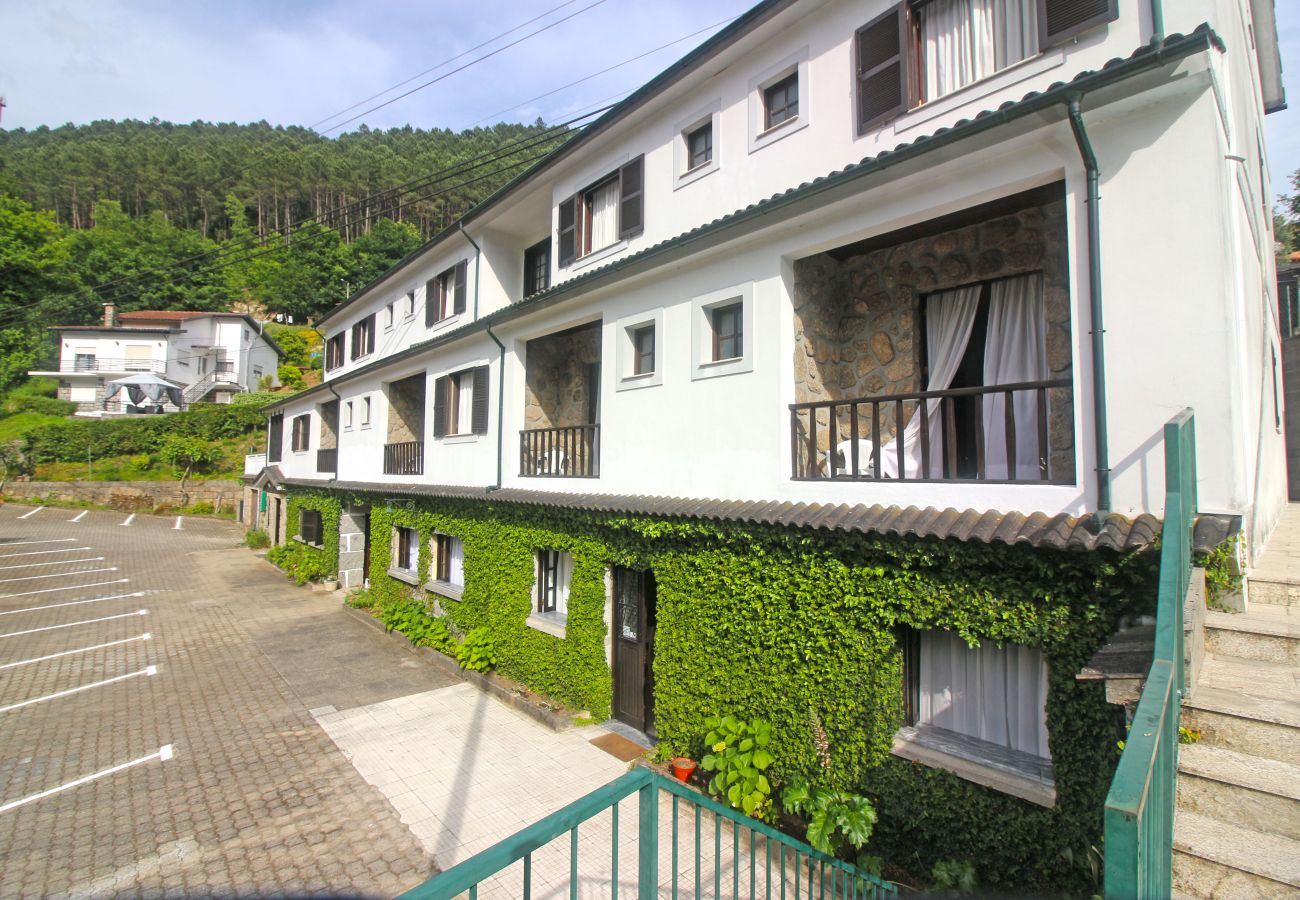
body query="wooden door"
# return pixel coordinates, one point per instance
(634, 629)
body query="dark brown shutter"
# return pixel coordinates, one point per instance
(275, 438)
(1060, 20)
(480, 400)
(356, 342)
(462, 275)
(431, 288)
(881, 47)
(370, 334)
(440, 388)
(568, 230)
(631, 220)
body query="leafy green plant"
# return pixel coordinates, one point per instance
(476, 652)
(256, 539)
(739, 757)
(290, 377)
(412, 619)
(954, 876)
(837, 820)
(302, 562)
(1189, 735)
(1221, 575)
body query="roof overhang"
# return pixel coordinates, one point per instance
(1268, 53)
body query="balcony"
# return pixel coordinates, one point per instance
(569, 452)
(406, 458)
(327, 460)
(109, 364)
(254, 463)
(994, 434)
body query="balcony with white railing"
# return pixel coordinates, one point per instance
(254, 463)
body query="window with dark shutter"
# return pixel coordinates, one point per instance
(370, 334)
(275, 438)
(462, 273)
(881, 47)
(441, 389)
(537, 268)
(480, 399)
(568, 231)
(334, 351)
(309, 526)
(1060, 20)
(431, 291)
(631, 221)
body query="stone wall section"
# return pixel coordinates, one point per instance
(133, 495)
(352, 548)
(406, 410)
(858, 322)
(556, 388)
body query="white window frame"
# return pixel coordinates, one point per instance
(589, 179)
(710, 115)
(555, 621)
(347, 415)
(389, 317)
(760, 135)
(409, 574)
(365, 411)
(703, 364)
(409, 312)
(625, 350)
(448, 588)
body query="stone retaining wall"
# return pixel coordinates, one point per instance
(132, 495)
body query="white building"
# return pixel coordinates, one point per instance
(211, 355)
(891, 269)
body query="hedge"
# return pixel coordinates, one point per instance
(72, 440)
(801, 628)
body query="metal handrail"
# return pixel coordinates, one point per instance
(112, 364)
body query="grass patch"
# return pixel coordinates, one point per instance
(144, 466)
(18, 426)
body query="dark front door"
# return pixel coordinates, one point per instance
(634, 636)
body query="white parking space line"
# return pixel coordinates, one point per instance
(129, 519)
(59, 574)
(14, 612)
(7, 544)
(27, 662)
(177, 526)
(71, 587)
(138, 612)
(79, 516)
(32, 512)
(164, 753)
(44, 552)
(54, 562)
(146, 671)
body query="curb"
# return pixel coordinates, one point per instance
(552, 720)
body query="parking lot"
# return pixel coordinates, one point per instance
(156, 683)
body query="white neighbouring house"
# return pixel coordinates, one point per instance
(894, 269)
(211, 355)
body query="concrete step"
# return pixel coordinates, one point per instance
(1248, 706)
(1267, 633)
(1246, 791)
(1274, 591)
(1215, 859)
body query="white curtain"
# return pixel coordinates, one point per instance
(966, 40)
(604, 215)
(465, 403)
(563, 575)
(995, 694)
(456, 565)
(949, 318)
(1014, 351)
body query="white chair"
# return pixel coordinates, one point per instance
(844, 458)
(552, 462)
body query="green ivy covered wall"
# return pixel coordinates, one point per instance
(303, 561)
(802, 628)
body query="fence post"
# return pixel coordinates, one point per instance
(648, 842)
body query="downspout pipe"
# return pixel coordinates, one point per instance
(1101, 434)
(1157, 22)
(478, 253)
(501, 406)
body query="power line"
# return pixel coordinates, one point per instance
(472, 62)
(434, 68)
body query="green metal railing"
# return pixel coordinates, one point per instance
(759, 860)
(1140, 805)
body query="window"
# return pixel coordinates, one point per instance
(444, 296)
(781, 101)
(918, 52)
(537, 268)
(408, 306)
(347, 416)
(363, 337)
(365, 412)
(309, 527)
(699, 146)
(257, 373)
(406, 549)
(643, 350)
(334, 351)
(554, 570)
(448, 560)
(275, 438)
(460, 403)
(727, 323)
(301, 432)
(388, 317)
(985, 703)
(603, 214)
(84, 359)
(139, 358)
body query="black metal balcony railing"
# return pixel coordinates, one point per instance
(867, 439)
(107, 364)
(572, 451)
(327, 460)
(404, 459)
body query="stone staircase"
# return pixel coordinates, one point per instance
(1237, 827)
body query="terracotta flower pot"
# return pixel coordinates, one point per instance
(683, 767)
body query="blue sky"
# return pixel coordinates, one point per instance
(298, 61)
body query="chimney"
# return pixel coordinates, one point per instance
(110, 315)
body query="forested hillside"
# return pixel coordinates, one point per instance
(153, 215)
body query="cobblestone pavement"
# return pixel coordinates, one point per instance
(224, 783)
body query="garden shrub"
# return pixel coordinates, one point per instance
(256, 539)
(74, 439)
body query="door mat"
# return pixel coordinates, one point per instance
(619, 747)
